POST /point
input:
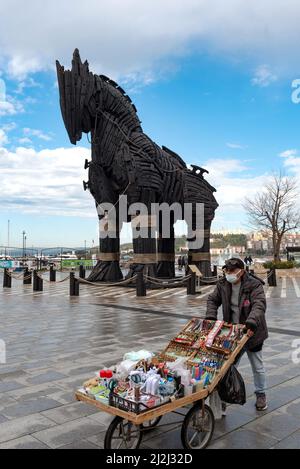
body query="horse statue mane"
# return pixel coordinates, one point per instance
(79, 89)
(126, 161)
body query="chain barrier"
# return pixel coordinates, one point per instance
(206, 280)
(122, 282)
(19, 277)
(152, 280)
(27, 277)
(268, 276)
(16, 277)
(162, 285)
(57, 281)
(160, 281)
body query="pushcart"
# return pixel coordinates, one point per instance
(127, 428)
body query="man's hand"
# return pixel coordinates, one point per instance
(249, 332)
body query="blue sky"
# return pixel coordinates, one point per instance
(218, 101)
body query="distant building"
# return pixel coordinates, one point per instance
(229, 250)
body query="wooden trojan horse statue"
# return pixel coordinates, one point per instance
(125, 161)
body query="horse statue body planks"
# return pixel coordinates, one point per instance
(126, 161)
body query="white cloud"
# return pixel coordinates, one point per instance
(9, 127)
(134, 37)
(263, 76)
(11, 107)
(292, 163)
(220, 168)
(47, 182)
(234, 183)
(4, 130)
(288, 153)
(25, 141)
(235, 146)
(36, 133)
(3, 138)
(28, 83)
(19, 66)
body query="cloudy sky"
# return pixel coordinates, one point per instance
(212, 80)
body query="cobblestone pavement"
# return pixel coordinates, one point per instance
(54, 343)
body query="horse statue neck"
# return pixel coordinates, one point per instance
(88, 101)
(112, 99)
(114, 118)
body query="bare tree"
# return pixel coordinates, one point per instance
(275, 210)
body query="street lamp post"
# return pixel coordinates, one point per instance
(24, 237)
(8, 236)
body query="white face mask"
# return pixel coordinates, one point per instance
(232, 278)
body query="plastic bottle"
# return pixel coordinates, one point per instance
(170, 386)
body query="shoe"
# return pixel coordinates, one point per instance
(224, 407)
(261, 402)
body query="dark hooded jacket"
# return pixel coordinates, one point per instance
(252, 304)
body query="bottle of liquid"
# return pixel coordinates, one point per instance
(170, 386)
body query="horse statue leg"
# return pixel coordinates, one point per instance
(166, 251)
(107, 268)
(201, 257)
(144, 245)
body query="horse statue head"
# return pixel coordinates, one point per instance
(86, 98)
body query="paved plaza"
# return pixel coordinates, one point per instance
(54, 343)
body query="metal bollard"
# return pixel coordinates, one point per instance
(27, 279)
(191, 284)
(81, 271)
(37, 282)
(272, 280)
(6, 279)
(74, 285)
(52, 274)
(140, 285)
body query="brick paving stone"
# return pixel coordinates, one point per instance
(6, 386)
(32, 406)
(82, 444)
(70, 412)
(244, 439)
(3, 419)
(291, 442)
(69, 432)
(276, 424)
(25, 442)
(18, 427)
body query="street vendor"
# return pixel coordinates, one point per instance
(243, 301)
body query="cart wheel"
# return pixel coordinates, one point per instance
(198, 427)
(122, 434)
(150, 424)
